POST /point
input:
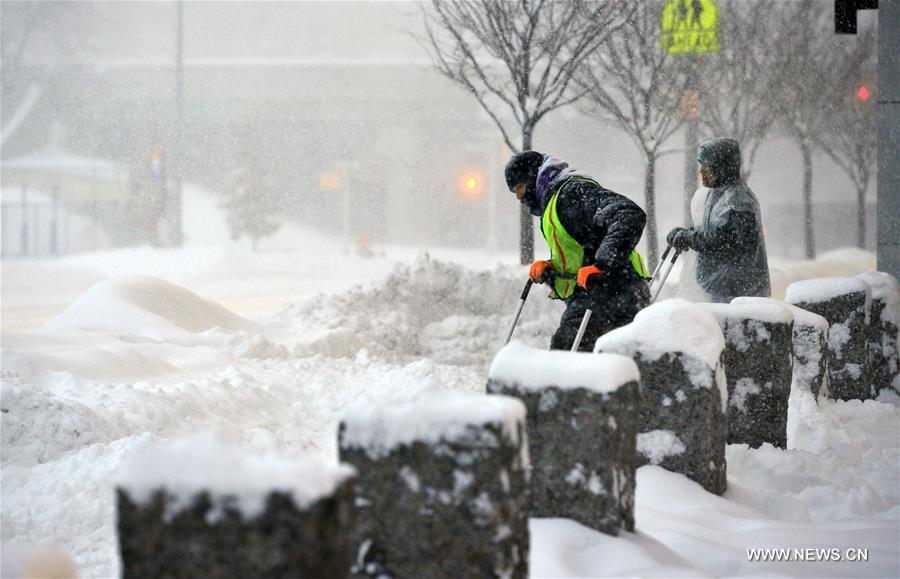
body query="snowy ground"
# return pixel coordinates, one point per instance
(101, 352)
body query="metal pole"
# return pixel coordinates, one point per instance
(662, 281)
(23, 249)
(175, 232)
(54, 222)
(690, 167)
(515, 320)
(581, 329)
(888, 208)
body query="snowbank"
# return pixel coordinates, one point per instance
(144, 306)
(71, 421)
(433, 309)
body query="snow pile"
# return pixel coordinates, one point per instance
(234, 477)
(144, 306)
(39, 427)
(430, 416)
(432, 309)
(77, 402)
(843, 262)
(841, 464)
(531, 368)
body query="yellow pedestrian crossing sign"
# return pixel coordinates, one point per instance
(690, 27)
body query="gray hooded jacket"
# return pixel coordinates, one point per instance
(729, 241)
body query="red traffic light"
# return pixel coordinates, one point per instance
(862, 93)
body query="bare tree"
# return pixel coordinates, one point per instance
(741, 78)
(803, 97)
(35, 30)
(850, 133)
(639, 87)
(517, 59)
(251, 202)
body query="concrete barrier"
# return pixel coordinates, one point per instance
(199, 508)
(758, 368)
(845, 302)
(443, 485)
(810, 347)
(678, 349)
(884, 356)
(582, 427)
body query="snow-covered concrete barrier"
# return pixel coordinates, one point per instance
(810, 346)
(443, 485)
(758, 368)
(884, 356)
(678, 349)
(198, 507)
(845, 303)
(582, 427)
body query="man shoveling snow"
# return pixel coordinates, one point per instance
(592, 233)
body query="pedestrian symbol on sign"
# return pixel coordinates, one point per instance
(690, 27)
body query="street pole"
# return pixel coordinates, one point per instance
(888, 211)
(24, 230)
(690, 153)
(175, 237)
(54, 223)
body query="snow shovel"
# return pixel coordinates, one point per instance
(515, 320)
(662, 260)
(581, 329)
(587, 313)
(665, 275)
(524, 296)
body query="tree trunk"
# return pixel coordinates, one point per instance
(526, 223)
(808, 237)
(650, 202)
(861, 214)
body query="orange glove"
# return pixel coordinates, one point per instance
(585, 273)
(538, 268)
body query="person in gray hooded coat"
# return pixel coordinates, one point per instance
(731, 250)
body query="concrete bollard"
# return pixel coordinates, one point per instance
(810, 347)
(845, 303)
(678, 349)
(443, 485)
(758, 367)
(582, 427)
(197, 507)
(884, 357)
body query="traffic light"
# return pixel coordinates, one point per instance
(845, 14)
(863, 93)
(471, 183)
